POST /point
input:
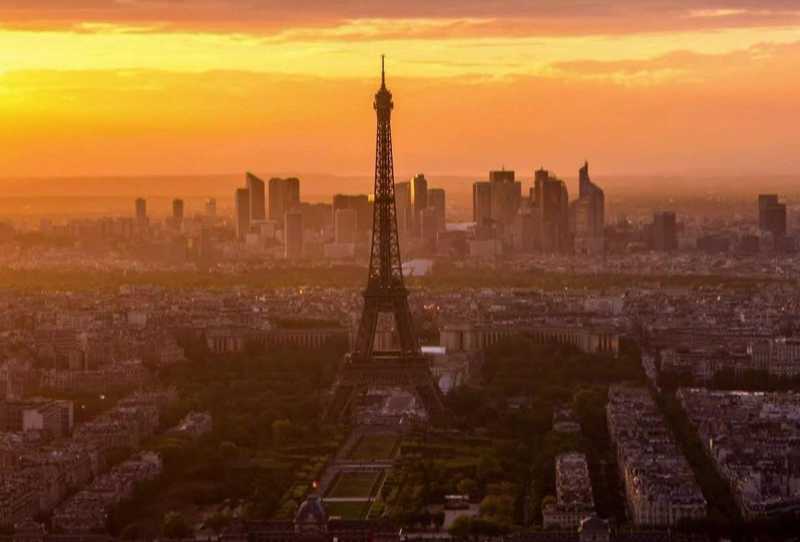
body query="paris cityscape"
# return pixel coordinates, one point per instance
(399, 350)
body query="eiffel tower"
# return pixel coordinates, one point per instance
(385, 294)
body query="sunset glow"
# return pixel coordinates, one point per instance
(232, 88)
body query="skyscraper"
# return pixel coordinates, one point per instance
(141, 212)
(665, 231)
(317, 217)
(292, 192)
(540, 176)
(419, 200)
(360, 204)
(588, 214)
(436, 202)
(402, 197)
(771, 215)
(776, 220)
(765, 201)
(481, 202)
(284, 195)
(506, 194)
(276, 202)
(211, 208)
(501, 176)
(242, 204)
(526, 232)
(257, 202)
(177, 212)
(588, 190)
(344, 226)
(293, 234)
(552, 202)
(429, 226)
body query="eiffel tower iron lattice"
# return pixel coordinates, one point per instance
(385, 294)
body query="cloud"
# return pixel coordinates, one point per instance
(500, 17)
(434, 47)
(686, 66)
(72, 123)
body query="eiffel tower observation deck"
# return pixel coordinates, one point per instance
(385, 294)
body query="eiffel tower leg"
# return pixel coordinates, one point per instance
(405, 326)
(365, 340)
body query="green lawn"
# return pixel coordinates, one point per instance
(354, 484)
(347, 510)
(375, 447)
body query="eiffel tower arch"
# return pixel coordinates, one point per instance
(385, 294)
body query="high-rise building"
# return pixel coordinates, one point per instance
(506, 196)
(502, 176)
(344, 226)
(776, 220)
(242, 204)
(587, 190)
(257, 202)
(211, 208)
(402, 196)
(526, 230)
(588, 214)
(429, 226)
(481, 202)
(436, 201)
(276, 199)
(552, 205)
(317, 217)
(284, 195)
(360, 204)
(665, 231)
(771, 215)
(141, 212)
(177, 212)
(293, 234)
(540, 176)
(292, 193)
(765, 201)
(419, 200)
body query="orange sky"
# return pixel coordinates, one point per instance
(91, 87)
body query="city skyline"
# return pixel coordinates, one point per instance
(158, 88)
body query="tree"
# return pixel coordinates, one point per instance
(142, 530)
(229, 450)
(461, 527)
(498, 507)
(488, 467)
(438, 519)
(483, 527)
(175, 526)
(467, 486)
(281, 431)
(218, 522)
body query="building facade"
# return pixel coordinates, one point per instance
(255, 188)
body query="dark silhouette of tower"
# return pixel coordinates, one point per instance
(386, 293)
